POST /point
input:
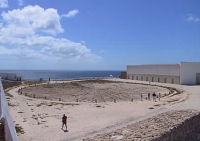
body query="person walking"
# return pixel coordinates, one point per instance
(154, 97)
(148, 96)
(141, 96)
(64, 121)
(159, 96)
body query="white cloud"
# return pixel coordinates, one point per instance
(21, 53)
(36, 18)
(21, 35)
(71, 14)
(20, 2)
(3, 3)
(83, 42)
(191, 17)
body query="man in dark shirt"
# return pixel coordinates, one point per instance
(154, 97)
(64, 121)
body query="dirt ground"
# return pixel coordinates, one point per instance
(92, 91)
(40, 119)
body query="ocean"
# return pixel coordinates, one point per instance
(61, 74)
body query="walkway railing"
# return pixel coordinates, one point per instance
(9, 128)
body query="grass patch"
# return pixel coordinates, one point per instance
(100, 81)
(55, 103)
(19, 129)
(76, 84)
(48, 86)
(34, 117)
(8, 94)
(157, 105)
(12, 105)
(7, 85)
(172, 100)
(34, 82)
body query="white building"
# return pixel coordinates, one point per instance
(10, 76)
(186, 73)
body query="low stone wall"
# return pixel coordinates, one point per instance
(178, 125)
(189, 130)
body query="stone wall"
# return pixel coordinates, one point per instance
(178, 125)
(189, 130)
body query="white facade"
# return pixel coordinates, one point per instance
(188, 72)
(10, 76)
(169, 69)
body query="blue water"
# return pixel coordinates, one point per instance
(61, 74)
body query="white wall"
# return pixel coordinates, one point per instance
(10, 76)
(9, 128)
(168, 69)
(188, 72)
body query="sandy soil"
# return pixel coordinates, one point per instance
(41, 119)
(91, 90)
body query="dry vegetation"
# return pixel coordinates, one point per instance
(7, 85)
(33, 82)
(91, 91)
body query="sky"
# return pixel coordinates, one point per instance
(97, 34)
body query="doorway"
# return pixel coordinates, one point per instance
(198, 78)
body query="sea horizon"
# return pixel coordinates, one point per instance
(62, 74)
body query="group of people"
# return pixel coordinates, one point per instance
(153, 95)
